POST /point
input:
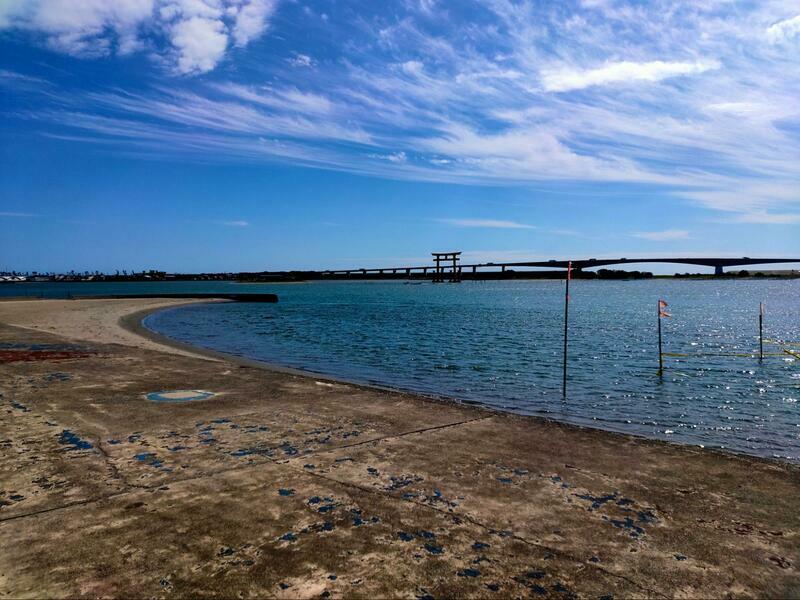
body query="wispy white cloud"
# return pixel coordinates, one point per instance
(412, 67)
(767, 218)
(784, 30)
(288, 99)
(687, 99)
(667, 235)
(747, 198)
(486, 223)
(563, 80)
(739, 108)
(205, 114)
(235, 223)
(301, 60)
(20, 215)
(394, 157)
(13, 78)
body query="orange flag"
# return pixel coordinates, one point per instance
(662, 309)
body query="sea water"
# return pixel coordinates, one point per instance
(500, 344)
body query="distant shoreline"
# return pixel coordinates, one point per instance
(509, 275)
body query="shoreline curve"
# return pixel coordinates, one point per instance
(134, 323)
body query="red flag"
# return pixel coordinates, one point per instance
(662, 309)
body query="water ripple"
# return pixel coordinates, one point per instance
(500, 344)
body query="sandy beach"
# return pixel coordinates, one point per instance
(278, 484)
(89, 320)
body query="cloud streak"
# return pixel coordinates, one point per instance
(486, 223)
(18, 215)
(667, 235)
(564, 80)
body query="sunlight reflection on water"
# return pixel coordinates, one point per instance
(500, 344)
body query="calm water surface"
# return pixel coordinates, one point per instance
(500, 344)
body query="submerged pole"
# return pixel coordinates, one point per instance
(566, 330)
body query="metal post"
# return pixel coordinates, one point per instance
(566, 329)
(660, 355)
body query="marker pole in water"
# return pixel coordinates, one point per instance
(660, 354)
(566, 329)
(761, 331)
(661, 311)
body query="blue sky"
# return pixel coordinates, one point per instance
(269, 134)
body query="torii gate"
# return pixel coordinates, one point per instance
(439, 257)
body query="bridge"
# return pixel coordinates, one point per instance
(493, 270)
(718, 265)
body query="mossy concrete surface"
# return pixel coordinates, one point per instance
(290, 486)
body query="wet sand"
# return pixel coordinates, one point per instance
(288, 485)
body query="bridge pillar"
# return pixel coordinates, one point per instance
(718, 270)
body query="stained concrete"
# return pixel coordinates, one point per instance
(291, 486)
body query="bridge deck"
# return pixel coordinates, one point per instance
(716, 262)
